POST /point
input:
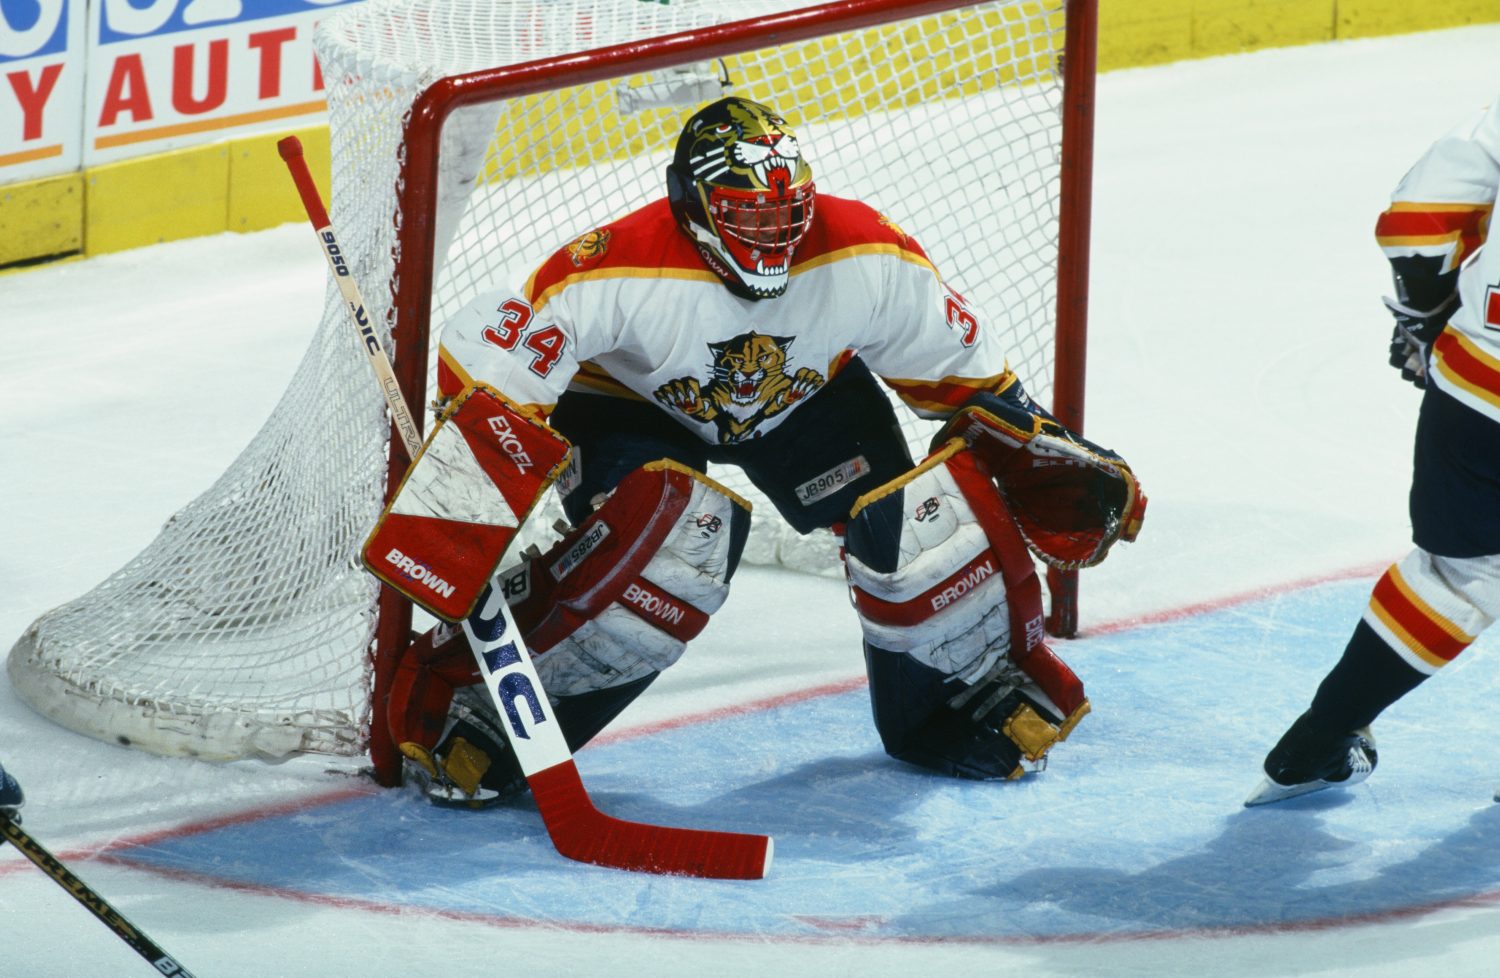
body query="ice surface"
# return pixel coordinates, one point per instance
(1237, 358)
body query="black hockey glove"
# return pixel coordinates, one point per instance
(11, 797)
(1413, 334)
(1421, 283)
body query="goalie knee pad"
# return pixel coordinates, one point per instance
(603, 611)
(950, 606)
(619, 598)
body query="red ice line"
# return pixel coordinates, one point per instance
(837, 931)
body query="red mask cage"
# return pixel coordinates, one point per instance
(754, 219)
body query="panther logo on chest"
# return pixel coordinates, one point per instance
(750, 382)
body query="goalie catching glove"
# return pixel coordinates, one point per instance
(1071, 499)
(482, 469)
(961, 680)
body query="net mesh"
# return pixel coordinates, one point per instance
(244, 629)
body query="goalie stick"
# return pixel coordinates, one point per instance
(84, 894)
(578, 830)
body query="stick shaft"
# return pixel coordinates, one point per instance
(380, 361)
(84, 894)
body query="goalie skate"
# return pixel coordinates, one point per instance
(1308, 759)
(471, 767)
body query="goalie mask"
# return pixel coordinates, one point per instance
(741, 190)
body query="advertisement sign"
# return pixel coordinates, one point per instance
(41, 87)
(165, 74)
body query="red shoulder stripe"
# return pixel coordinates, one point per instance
(644, 243)
(842, 228)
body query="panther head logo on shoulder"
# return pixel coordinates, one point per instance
(593, 244)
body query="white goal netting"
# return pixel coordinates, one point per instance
(245, 628)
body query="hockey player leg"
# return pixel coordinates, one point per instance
(449, 741)
(447, 727)
(11, 797)
(604, 611)
(618, 599)
(1312, 756)
(950, 605)
(1422, 613)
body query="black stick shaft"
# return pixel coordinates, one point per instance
(84, 894)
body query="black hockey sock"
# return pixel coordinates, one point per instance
(1367, 679)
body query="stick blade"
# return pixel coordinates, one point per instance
(666, 851)
(583, 833)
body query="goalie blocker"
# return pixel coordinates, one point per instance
(950, 605)
(480, 472)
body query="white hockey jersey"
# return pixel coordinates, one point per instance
(630, 310)
(1441, 212)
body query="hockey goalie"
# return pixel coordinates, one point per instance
(743, 319)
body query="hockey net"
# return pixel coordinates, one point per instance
(469, 140)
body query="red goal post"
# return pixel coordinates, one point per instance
(469, 139)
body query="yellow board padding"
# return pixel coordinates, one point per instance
(1371, 18)
(182, 194)
(1134, 33)
(1149, 32)
(41, 217)
(237, 185)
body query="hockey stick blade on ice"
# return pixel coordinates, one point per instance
(578, 830)
(163, 962)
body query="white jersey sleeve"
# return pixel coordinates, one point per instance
(1461, 167)
(500, 340)
(1440, 211)
(928, 343)
(1454, 187)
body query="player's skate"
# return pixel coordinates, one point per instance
(1309, 758)
(472, 766)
